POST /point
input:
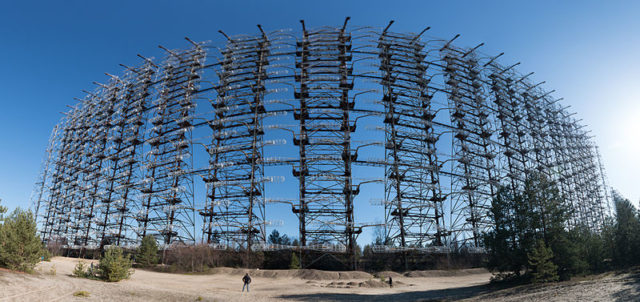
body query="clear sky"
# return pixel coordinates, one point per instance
(588, 51)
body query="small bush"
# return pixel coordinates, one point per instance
(81, 293)
(114, 265)
(46, 255)
(147, 254)
(295, 262)
(80, 270)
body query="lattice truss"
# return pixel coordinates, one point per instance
(451, 126)
(235, 184)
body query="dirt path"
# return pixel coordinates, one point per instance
(296, 285)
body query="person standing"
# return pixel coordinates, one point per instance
(246, 280)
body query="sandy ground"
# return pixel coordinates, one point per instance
(224, 284)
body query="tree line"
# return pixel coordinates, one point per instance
(535, 237)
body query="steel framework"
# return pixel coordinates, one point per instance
(453, 125)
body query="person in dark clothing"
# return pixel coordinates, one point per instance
(390, 282)
(246, 280)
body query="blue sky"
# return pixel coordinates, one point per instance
(588, 51)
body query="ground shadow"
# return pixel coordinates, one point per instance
(430, 295)
(632, 293)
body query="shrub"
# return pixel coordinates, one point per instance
(147, 254)
(544, 270)
(20, 247)
(114, 265)
(80, 270)
(46, 255)
(295, 262)
(81, 293)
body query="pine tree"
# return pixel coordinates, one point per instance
(543, 269)
(501, 242)
(295, 262)
(626, 232)
(147, 254)
(2, 211)
(20, 247)
(276, 238)
(114, 266)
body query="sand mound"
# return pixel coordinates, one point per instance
(312, 274)
(229, 271)
(306, 274)
(387, 274)
(354, 275)
(447, 273)
(373, 284)
(338, 285)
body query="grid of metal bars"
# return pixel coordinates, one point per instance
(454, 125)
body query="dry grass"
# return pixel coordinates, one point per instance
(81, 293)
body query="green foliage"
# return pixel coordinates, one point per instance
(20, 247)
(80, 270)
(543, 269)
(114, 265)
(295, 261)
(592, 247)
(501, 241)
(46, 255)
(2, 211)
(81, 293)
(147, 254)
(276, 238)
(567, 256)
(521, 219)
(626, 232)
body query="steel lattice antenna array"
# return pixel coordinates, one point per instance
(454, 127)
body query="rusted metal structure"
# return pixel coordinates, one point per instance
(178, 149)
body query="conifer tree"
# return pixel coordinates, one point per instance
(114, 265)
(20, 247)
(295, 262)
(626, 231)
(2, 211)
(543, 269)
(147, 254)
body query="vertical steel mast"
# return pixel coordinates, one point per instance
(324, 77)
(413, 207)
(236, 180)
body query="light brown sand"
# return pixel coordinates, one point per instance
(224, 284)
